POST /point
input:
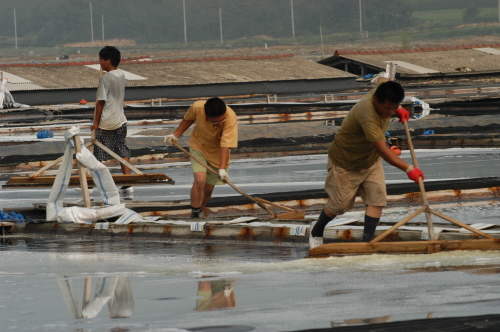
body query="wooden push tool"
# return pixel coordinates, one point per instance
(291, 214)
(430, 246)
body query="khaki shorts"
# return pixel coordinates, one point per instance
(212, 178)
(342, 185)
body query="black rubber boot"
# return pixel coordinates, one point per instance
(195, 212)
(370, 227)
(319, 226)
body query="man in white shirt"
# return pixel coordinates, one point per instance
(110, 122)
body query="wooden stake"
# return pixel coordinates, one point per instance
(82, 174)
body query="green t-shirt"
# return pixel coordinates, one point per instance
(352, 147)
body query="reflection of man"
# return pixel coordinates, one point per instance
(216, 294)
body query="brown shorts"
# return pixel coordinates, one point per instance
(342, 185)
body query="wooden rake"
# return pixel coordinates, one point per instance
(291, 214)
(428, 211)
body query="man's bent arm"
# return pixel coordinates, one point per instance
(183, 126)
(224, 156)
(390, 156)
(99, 106)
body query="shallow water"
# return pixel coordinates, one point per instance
(273, 287)
(257, 176)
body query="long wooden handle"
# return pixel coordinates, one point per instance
(226, 180)
(420, 184)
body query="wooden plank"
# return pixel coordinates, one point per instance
(119, 179)
(403, 247)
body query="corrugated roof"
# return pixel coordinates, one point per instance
(436, 60)
(182, 72)
(128, 75)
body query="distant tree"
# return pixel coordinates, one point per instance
(405, 41)
(384, 15)
(470, 14)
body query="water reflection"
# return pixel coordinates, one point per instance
(115, 291)
(215, 294)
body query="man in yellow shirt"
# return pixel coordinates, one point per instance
(215, 133)
(355, 160)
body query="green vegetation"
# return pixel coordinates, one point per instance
(50, 27)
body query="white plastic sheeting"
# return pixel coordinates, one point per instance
(87, 215)
(426, 109)
(102, 178)
(6, 99)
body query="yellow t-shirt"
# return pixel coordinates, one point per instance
(352, 147)
(209, 139)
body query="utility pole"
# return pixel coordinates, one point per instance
(220, 24)
(15, 27)
(361, 19)
(184, 13)
(321, 36)
(102, 30)
(293, 23)
(91, 26)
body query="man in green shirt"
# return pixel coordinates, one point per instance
(355, 160)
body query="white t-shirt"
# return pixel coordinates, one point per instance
(112, 91)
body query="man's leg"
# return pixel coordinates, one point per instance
(374, 194)
(372, 218)
(318, 227)
(207, 194)
(119, 146)
(341, 187)
(125, 169)
(198, 193)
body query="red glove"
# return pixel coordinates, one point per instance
(414, 173)
(402, 114)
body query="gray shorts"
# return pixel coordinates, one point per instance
(114, 140)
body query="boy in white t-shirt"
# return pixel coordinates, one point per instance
(110, 122)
